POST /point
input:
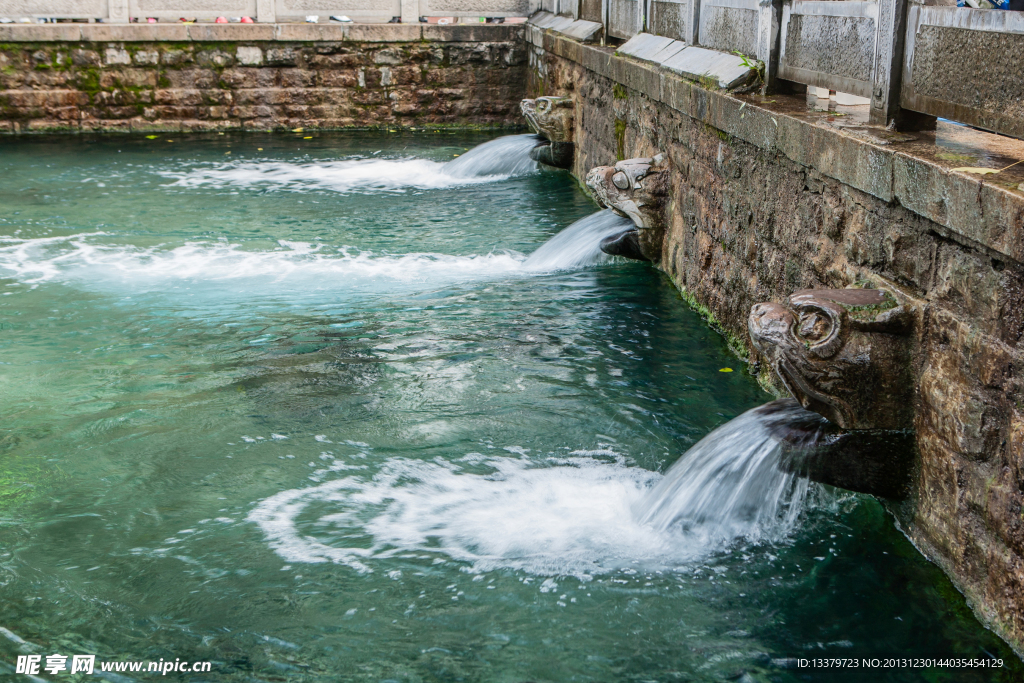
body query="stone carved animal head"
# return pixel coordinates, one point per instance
(639, 190)
(635, 188)
(550, 117)
(843, 353)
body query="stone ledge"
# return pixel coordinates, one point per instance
(978, 212)
(367, 33)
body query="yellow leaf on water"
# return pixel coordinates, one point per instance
(259, 149)
(228, 152)
(975, 169)
(296, 130)
(725, 370)
(170, 141)
(152, 137)
(308, 137)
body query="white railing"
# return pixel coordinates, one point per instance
(122, 11)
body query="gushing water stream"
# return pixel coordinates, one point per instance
(730, 484)
(579, 244)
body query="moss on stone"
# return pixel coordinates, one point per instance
(736, 345)
(620, 139)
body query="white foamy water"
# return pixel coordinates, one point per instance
(90, 260)
(492, 161)
(576, 516)
(295, 266)
(569, 517)
(579, 244)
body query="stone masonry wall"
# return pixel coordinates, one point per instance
(382, 78)
(751, 224)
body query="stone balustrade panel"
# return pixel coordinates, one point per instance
(962, 64)
(829, 44)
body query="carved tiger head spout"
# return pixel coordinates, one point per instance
(638, 189)
(552, 119)
(843, 353)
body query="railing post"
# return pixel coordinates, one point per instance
(410, 11)
(887, 74)
(604, 21)
(118, 11)
(769, 17)
(692, 36)
(265, 11)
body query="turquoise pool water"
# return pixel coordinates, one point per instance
(303, 411)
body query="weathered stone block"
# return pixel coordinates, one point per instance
(176, 57)
(337, 79)
(146, 57)
(249, 56)
(296, 78)
(117, 55)
(190, 78)
(214, 58)
(81, 57)
(281, 56)
(142, 125)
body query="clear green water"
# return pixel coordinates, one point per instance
(314, 429)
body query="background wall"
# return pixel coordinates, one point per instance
(375, 76)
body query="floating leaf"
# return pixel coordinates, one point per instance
(296, 130)
(259, 149)
(725, 370)
(308, 137)
(975, 169)
(152, 137)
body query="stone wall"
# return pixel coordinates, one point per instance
(768, 198)
(134, 78)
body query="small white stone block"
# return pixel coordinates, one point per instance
(147, 57)
(849, 100)
(249, 56)
(118, 55)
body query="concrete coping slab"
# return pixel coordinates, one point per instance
(698, 62)
(560, 24)
(581, 30)
(668, 52)
(127, 33)
(542, 19)
(644, 46)
(584, 31)
(231, 32)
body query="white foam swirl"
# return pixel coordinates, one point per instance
(490, 162)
